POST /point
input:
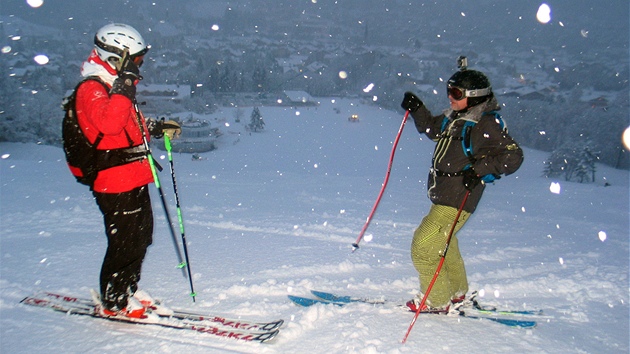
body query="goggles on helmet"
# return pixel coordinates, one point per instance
(459, 94)
(138, 60)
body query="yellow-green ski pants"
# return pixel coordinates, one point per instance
(429, 242)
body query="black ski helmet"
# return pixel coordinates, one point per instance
(474, 84)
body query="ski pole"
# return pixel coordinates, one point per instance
(439, 267)
(355, 245)
(158, 185)
(167, 144)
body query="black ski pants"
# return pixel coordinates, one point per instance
(129, 228)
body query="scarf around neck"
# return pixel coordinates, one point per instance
(94, 66)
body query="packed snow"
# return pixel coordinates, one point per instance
(274, 213)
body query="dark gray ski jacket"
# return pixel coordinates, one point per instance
(494, 152)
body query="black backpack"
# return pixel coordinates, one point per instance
(81, 155)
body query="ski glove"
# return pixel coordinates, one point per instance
(158, 128)
(129, 70)
(411, 102)
(128, 76)
(471, 179)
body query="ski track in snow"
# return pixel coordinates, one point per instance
(275, 213)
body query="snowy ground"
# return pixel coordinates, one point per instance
(275, 213)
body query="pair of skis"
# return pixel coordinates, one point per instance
(512, 318)
(239, 329)
(255, 331)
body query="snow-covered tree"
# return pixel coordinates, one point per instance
(574, 162)
(256, 122)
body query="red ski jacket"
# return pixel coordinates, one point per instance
(117, 119)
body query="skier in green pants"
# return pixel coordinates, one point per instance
(473, 148)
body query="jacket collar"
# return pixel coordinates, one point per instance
(476, 112)
(94, 66)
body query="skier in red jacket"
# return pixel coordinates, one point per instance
(121, 186)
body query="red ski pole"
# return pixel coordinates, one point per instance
(355, 245)
(439, 268)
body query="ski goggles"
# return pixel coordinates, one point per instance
(138, 60)
(459, 94)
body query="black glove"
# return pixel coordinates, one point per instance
(128, 75)
(471, 179)
(157, 128)
(411, 102)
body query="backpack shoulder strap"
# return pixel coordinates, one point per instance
(100, 135)
(69, 103)
(497, 116)
(466, 142)
(94, 78)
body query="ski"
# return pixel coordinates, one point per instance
(82, 308)
(494, 311)
(490, 310)
(344, 299)
(215, 320)
(306, 302)
(512, 322)
(226, 322)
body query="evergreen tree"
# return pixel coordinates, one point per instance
(256, 122)
(259, 80)
(586, 158)
(574, 162)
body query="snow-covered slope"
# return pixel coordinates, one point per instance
(275, 213)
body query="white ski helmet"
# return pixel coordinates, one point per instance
(111, 41)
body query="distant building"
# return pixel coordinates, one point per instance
(197, 136)
(598, 102)
(527, 93)
(298, 98)
(175, 93)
